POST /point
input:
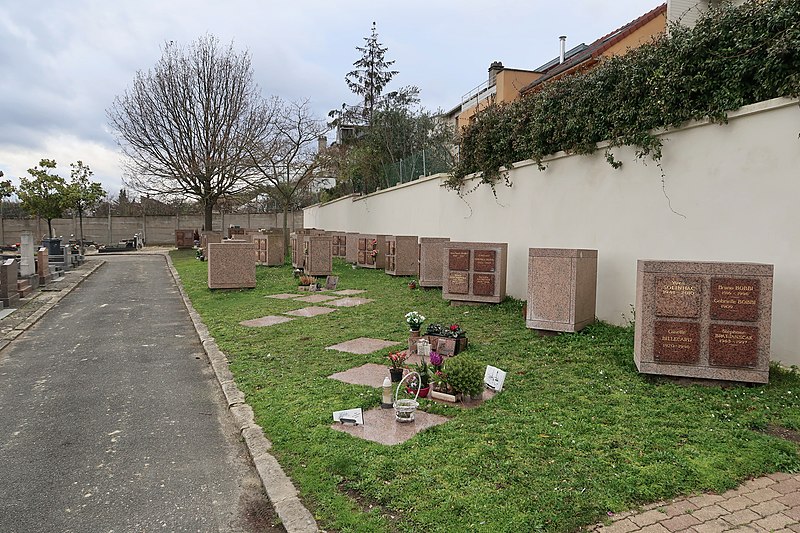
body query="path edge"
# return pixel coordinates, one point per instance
(295, 517)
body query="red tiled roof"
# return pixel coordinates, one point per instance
(596, 49)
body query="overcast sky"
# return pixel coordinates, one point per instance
(63, 62)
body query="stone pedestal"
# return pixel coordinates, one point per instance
(402, 255)
(269, 249)
(9, 270)
(431, 252)
(231, 265)
(704, 319)
(371, 251)
(184, 238)
(474, 272)
(317, 260)
(562, 289)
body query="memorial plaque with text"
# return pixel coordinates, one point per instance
(483, 284)
(678, 296)
(676, 342)
(458, 260)
(733, 345)
(485, 261)
(458, 283)
(362, 256)
(446, 347)
(734, 299)
(362, 244)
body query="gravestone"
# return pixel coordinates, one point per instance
(66, 253)
(27, 254)
(231, 265)
(8, 283)
(431, 252)
(317, 259)
(184, 238)
(562, 288)
(371, 251)
(402, 255)
(704, 319)
(351, 247)
(269, 249)
(235, 232)
(53, 245)
(42, 266)
(474, 272)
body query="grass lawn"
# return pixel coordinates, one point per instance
(576, 432)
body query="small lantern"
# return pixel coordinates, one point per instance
(386, 401)
(423, 348)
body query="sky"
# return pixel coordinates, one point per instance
(62, 63)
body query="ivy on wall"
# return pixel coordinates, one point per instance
(734, 56)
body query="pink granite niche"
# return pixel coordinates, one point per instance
(562, 289)
(308, 312)
(207, 237)
(402, 255)
(371, 251)
(269, 248)
(297, 247)
(704, 320)
(362, 346)
(351, 247)
(349, 302)
(264, 321)
(184, 238)
(317, 259)
(231, 265)
(474, 272)
(431, 253)
(339, 244)
(380, 426)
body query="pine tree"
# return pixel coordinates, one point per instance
(371, 74)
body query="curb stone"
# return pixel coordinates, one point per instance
(278, 486)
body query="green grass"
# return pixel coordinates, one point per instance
(577, 432)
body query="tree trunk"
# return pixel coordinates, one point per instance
(50, 228)
(208, 211)
(285, 228)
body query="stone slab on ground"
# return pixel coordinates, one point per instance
(283, 296)
(269, 320)
(349, 292)
(349, 302)
(362, 345)
(369, 374)
(308, 312)
(315, 298)
(380, 426)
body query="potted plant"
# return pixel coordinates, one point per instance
(412, 284)
(424, 380)
(396, 360)
(465, 376)
(434, 332)
(414, 320)
(305, 282)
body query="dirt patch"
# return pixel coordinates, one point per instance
(782, 433)
(259, 515)
(366, 505)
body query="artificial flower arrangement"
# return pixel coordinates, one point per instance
(414, 320)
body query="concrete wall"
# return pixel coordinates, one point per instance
(156, 229)
(730, 193)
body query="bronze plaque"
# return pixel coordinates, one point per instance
(362, 257)
(735, 299)
(485, 261)
(458, 283)
(678, 296)
(676, 342)
(458, 260)
(483, 284)
(446, 346)
(733, 345)
(362, 244)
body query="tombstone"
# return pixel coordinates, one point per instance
(371, 251)
(431, 253)
(562, 289)
(351, 247)
(184, 238)
(27, 259)
(474, 272)
(704, 319)
(269, 249)
(331, 282)
(66, 254)
(42, 266)
(9, 270)
(236, 232)
(231, 265)
(53, 245)
(402, 255)
(316, 251)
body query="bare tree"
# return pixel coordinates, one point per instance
(287, 161)
(186, 126)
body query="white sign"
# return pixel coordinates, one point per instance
(354, 417)
(494, 378)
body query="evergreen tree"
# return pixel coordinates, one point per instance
(371, 74)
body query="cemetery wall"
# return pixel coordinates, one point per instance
(729, 193)
(156, 229)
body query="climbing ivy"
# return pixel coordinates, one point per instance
(734, 56)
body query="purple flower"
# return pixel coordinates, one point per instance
(436, 359)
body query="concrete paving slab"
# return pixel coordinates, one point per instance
(380, 426)
(349, 302)
(349, 292)
(282, 296)
(310, 311)
(264, 321)
(362, 345)
(369, 374)
(315, 298)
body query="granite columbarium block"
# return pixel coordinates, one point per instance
(562, 289)
(317, 259)
(707, 320)
(402, 255)
(431, 254)
(269, 248)
(184, 238)
(351, 247)
(371, 251)
(231, 265)
(474, 272)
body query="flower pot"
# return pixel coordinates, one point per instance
(396, 374)
(423, 393)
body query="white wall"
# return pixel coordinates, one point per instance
(736, 185)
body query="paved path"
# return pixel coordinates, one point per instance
(110, 420)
